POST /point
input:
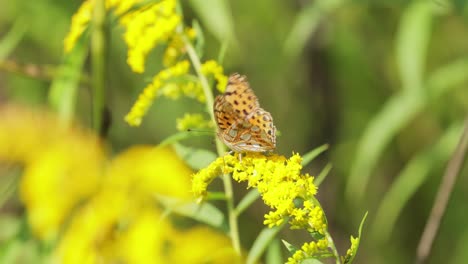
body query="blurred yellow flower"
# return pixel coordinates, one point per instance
(213, 68)
(190, 121)
(63, 166)
(106, 211)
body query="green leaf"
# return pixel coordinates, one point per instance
(412, 41)
(215, 196)
(290, 247)
(410, 179)
(204, 213)
(216, 17)
(199, 39)
(350, 257)
(306, 23)
(64, 87)
(196, 158)
(396, 114)
(247, 200)
(273, 253)
(260, 244)
(311, 261)
(311, 155)
(179, 136)
(323, 174)
(12, 38)
(10, 227)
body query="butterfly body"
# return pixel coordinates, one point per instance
(242, 124)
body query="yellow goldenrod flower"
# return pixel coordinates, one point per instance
(79, 23)
(210, 247)
(213, 68)
(82, 17)
(352, 250)
(55, 179)
(308, 250)
(189, 121)
(148, 27)
(280, 183)
(145, 99)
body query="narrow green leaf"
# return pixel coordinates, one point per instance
(199, 39)
(196, 158)
(247, 200)
(290, 247)
(409, 180)
(311, 261)
(205, 212)
(311, 155)
(412, 42)
(305, 24)
(273, 253)
(215, 196)
(350, 257)
(323, 174)
(64, 87)
(395, 114)
(179, 136)
(12, 38)
(216, 17)
(261, 243)
(10, 226)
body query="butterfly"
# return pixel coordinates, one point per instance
(242, 124)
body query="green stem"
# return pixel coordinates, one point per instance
(331, 244)
(98, 60)
(233, 225)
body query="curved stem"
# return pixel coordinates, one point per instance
(331, 244)
(233, 225)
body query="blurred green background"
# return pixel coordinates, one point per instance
(384, 83)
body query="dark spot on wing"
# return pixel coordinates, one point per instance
(245, 112)
(235, 102)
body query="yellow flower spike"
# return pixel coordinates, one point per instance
(145, 99)
(211, 67)
(189, 121)
(147, 28)
(79, 23)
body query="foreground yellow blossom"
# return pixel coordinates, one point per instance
(92, 209)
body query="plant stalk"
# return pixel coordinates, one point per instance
(98, 60)
(233, 225)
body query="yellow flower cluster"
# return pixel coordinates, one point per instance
(110, 209)
(146, 98)
(79, 23)
(309, 250)
(189, 88)
(148, 27)
(352, 250)
(55, 179)
(176, 47)
(213, 68)
(280, 183)
(82, 17)
(189, 121)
